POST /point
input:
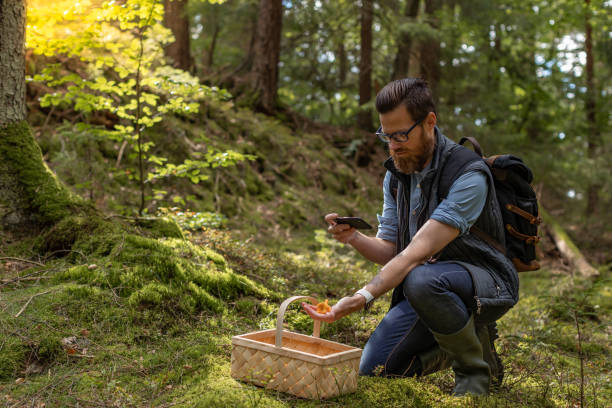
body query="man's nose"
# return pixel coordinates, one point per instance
(394, 145)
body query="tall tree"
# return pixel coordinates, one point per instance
(12, 63)
(364, 119)
(430, 49)
(590, 106)
(401, 65)
(30, 195)
(267, 54)
(176, 19)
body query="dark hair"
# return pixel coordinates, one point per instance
(413, 93)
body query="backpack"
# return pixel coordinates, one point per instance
(517, 201)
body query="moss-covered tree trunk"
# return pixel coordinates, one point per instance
(30, 194)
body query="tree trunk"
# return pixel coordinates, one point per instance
(213, 45)
(401, 65)
(342, 63)
(12, 61)
(590, 107)
(176, 19)
(430, 50)
(267, 54)
(364, 119)
(30, 194)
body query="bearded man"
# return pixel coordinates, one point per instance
(449, 285)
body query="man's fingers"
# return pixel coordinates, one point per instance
(312, 312)
(330, 218)
(339, 228)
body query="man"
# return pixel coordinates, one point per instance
(443, 310)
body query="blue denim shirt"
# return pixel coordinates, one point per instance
(466, 199)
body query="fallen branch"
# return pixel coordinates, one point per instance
(5, 281)
(81, 355)
(29, 300)
(18, 278)
(567, 248)
(50, 254)
(22, 260)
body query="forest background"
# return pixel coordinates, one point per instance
(199, 144)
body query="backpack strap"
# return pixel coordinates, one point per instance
(474, 143)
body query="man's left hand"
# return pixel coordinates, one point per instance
(345, 306)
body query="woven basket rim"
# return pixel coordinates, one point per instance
(352, 352)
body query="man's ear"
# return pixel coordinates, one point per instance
(430, 121)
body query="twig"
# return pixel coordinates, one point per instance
(22, 260)
(4, 281)
(29, 300)
(50, 254)
(125, 142)
(81, 355)
(18, 278)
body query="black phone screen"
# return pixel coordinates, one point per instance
(354, 222)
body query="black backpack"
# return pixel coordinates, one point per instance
(517, 200)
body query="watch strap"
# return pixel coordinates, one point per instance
(367, 295)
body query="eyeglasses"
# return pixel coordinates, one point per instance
(400, 136)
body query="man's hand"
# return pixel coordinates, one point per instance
(341, 232)
(345, 306)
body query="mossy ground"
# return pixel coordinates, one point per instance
(125, 353)
(139, 313)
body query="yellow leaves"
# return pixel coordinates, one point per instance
(520, 92)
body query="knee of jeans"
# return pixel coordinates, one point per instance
(419, 285)
(369, 369)
(370, 365)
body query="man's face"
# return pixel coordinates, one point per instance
(415, 153)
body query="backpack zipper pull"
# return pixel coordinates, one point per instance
(478, 305)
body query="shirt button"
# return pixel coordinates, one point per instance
(414, 212)
(419, 185)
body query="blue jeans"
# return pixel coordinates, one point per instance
(439, 298)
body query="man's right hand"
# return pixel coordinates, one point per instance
(341, 232)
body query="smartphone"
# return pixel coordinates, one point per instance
(354, 222)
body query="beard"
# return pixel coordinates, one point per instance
(409, 162)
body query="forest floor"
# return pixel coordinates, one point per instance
(63, 344)
(140, 319)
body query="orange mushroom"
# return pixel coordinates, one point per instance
(323, 307)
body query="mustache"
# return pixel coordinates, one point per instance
(399, 151)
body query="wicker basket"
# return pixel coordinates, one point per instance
(305, 366)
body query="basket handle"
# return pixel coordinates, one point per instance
(281, 317)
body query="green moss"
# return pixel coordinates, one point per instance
(161, 227)
(12, 356)
(168, 273)
(50, 201)
(71, 229)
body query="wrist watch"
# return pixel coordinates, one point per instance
(369, 298)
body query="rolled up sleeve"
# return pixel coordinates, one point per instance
(464, 203)
(387, 221)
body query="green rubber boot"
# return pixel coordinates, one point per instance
(433, 360)
(472, 373)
